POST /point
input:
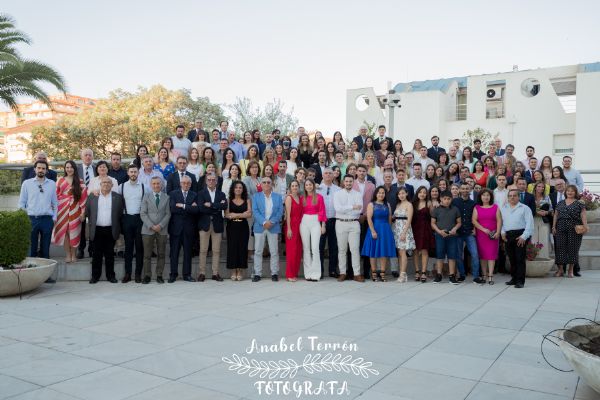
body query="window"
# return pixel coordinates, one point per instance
(566, 90)
(564, 143)
(461, 104)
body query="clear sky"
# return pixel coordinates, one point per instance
(305, 52)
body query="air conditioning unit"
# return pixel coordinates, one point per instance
(494, 93)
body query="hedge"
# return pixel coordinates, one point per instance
(15, 237)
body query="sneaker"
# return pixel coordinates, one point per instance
(438, 278)
(461, 279)
(479, 280)
(452, 280)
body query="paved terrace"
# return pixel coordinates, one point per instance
(72, 340)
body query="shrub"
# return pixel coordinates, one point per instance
(10, 181)
(15, 237)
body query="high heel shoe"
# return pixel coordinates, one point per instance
(374, 276)
(382, 277)
(403, 277)
(490, 280)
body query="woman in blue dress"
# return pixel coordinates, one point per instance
(379, 243)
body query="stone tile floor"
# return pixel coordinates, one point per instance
(72, 340)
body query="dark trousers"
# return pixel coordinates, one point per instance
(176, 241)
(132, 233)
(82, 240)
(501, 260)
(329, 237)
(41, 233)
(364, 227)
(516, 255)
(103, 246)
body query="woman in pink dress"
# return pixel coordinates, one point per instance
(488, 222)
(311, 229)
(293, 241)
(72, 194)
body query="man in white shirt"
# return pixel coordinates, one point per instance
(458, 150)
(282, 180)
(348, 204)
(328, 190)
(423, 159)
(133, 194)
(417, 180)
(453, 155)
(572, 175)
(181, 144)
(517, 228)
(530, 152)
(501, 192)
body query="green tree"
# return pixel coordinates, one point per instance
(123, 121)
(479, 133)
(19, 76)
(246, 117)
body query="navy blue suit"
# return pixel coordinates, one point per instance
(392, 194)
(182, 228)
(529, 201)
(435, 154)
(214, 213)
(173, 182)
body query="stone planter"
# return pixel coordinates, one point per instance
(539, 267)
(587, 365)
(29, 278)
(593, 215)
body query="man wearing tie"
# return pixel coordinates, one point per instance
(382, 137)
(524, 197)
(182, 227)
(211, 204)
(434, 151)
(174, 180)
(155, 214)
(86, 172)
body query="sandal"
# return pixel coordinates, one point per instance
(417, 276)
(423, 277)
(403, 278)
(382, 277)
(374, 276)
(490, 280)
(559, 274)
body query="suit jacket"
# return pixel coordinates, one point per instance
(368, 195)
(372, 179)
(29, 173)
(80, 171)
(258, 212)
(183, 220)
(193, 133)
(318, 173)
(152, 215)
(529, 201)
(392, 194)
(214, 213)
(173, 182)
(91, 211)
(554, 198)
(202, 183)
(435, 155)
(377, 143)
(528, 176)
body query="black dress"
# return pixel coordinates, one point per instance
(238, 235)
(568, 241)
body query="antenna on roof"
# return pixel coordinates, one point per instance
(515, 68)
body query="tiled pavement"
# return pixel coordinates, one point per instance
(72, 340)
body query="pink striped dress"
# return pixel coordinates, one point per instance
(69, 213)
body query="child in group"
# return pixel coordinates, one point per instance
(445, 221)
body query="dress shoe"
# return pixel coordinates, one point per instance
(146, 280)
(395, 274)
(138, 279)
(172, 279)
(90, 253)
(333, 274)
(255, 278)
(79, 254)
(341, 278)
(50, 280)
(201, 278)
(113, 280)
(159, 279)
(121, 254)
(126, 278)
(359, 278)
(576, 273)
(519, 285)
(275, 278)
(93, 281)
(217, 278)
(189, 279)
(511, 282)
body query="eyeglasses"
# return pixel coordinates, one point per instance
(266, 182)
(41, 188)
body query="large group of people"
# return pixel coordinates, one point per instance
(351, 204)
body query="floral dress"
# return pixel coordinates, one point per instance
(401, 220)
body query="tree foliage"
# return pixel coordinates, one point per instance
(246, 117)
(19, 76)
(479, 133)
(123, 121)
(15, 237)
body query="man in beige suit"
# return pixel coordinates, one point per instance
(155, 215)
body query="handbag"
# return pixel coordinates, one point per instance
(546, 218)
(580, 229)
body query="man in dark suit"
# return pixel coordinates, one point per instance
(434, 151)
(531, 168)
(174, 180)
(211, 204)
(86, 171)
(29, 172)
(381, 137)
(184, 207)
(320, 166)
(400, 182)
(192, 134)
(524, 197)
(104, 214)
(360, 139)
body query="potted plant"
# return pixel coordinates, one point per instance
(537, 267)
(19, 273)
(592, 205)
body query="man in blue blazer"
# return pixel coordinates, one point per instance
(267, 210)
(211, 204)
(434, 151)
(184, 206)
(174, 179)
(524, 197)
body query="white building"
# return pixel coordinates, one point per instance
(557, 110)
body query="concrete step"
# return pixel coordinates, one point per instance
(590, 243)
(589, 259)
(594, 229)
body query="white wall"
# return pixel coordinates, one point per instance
(587, 138)
(355, 118)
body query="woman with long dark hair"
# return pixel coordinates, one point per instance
(293, 241)
(311, 229)
(140, 152)
(238, 231)
(421, 226)
(72, 195)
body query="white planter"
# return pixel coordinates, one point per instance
(539, 267)
(29, 278)
(593, 215)
(585, 364)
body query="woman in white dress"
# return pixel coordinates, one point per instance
(292, 163)
(541, 228)
(194, 166)
(403, 233)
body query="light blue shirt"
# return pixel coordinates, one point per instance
(39, 197)
(238, 149)
(515, 218)
(574, 178)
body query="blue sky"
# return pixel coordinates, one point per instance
(305, 52)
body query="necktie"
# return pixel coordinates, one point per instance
(182, 174)
(87, 176)
(522, 197)
(184, 196)
(157, 199)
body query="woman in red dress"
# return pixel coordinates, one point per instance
(421, 226)
(479, 174)
(293, 241)
(72, 194)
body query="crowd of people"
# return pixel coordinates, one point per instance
(469, 207)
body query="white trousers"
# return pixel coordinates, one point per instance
(348, 233)
(310, 231)
(259, 246)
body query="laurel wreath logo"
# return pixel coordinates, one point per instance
(312, 363)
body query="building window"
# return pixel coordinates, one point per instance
(564, 143)
(461, 104)
(495, 99)
(566, 90)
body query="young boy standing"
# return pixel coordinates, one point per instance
(445, 221)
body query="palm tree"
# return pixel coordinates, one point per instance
(18, 76)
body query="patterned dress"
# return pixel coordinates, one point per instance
(69, 213)
(399, 224)
(568, 241)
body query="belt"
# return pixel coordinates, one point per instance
(39, 216)
(396, 218)
(346, 220)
